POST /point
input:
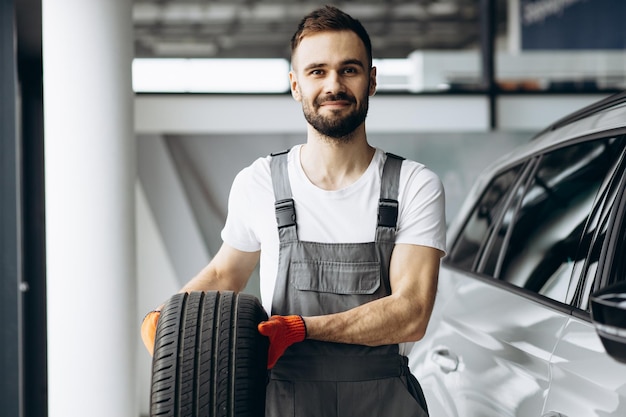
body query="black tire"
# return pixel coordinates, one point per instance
(209, 359)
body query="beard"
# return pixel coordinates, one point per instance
(335, 126)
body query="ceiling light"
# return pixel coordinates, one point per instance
(211, 75)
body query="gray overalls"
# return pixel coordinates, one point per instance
(322, 379)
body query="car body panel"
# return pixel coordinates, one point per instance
(503, 344)
(580, 365)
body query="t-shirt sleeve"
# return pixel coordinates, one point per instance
(422, 218)
(238, 230)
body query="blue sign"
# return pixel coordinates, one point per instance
(573, 24)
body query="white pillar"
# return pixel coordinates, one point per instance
(514, 25)
(90, 176)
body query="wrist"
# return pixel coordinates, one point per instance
(306, 332)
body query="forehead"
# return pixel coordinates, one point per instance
(329, 47)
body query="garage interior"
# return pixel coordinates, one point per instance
(114, 197)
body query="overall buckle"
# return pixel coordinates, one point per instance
(387, 212)
(285, 213)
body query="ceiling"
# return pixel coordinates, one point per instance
(263, 28)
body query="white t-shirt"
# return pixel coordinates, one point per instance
(348, 215)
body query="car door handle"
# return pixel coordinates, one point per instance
(446, 360)
(553, 414)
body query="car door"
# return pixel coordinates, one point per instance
(492, 351)
(440, 359)
(585, 381)
(504, 286)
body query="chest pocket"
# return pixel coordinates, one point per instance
(345, 278)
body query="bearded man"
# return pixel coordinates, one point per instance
(349, 240)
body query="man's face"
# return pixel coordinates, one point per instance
(332, 80)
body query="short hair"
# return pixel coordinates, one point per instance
(330, 18)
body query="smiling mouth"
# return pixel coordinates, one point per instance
(342, 103)
(340, 100)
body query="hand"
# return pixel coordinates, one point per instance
(283, 332)
(148, 329)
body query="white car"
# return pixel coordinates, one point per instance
(530, 316)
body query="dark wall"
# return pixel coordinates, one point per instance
(30, 78)
(10, 380)
(23, 385)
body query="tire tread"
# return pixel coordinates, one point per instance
(209, 359)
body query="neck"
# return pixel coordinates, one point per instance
(334, 164)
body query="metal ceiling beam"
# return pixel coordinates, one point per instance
(262, 28)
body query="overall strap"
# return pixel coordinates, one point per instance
(388, 203)
(284, 205)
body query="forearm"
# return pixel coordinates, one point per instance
(400, 317)
(389, 320)
(209, 279)
(229, 270)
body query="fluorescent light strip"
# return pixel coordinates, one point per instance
(211, 75)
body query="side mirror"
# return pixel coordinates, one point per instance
(608, 314)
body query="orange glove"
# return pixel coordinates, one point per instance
(283, 332)
(148, 329)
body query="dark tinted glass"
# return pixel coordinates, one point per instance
(605, 219)
(466, 249)
(544, 240)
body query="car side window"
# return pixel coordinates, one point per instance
(545, 232)
(603, 263)
(618, 270)
(468, 246)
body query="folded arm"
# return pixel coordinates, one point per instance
(400, 317)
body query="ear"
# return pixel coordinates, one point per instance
(293, 83)
(372, 89)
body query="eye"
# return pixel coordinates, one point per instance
(350, 70)
(316, 72)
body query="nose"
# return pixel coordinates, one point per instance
(334, 83)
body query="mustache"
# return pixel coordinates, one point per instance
(336, 97)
